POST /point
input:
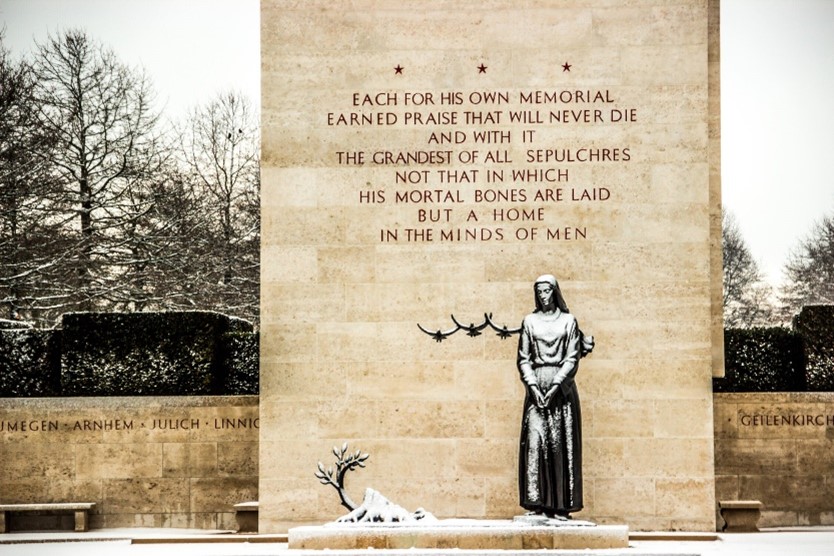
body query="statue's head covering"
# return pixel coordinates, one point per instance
(557, 293)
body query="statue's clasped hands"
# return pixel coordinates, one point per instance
(543, 400)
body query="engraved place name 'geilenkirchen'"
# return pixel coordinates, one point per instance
(786, 420)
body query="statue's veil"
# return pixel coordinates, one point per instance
(560, 301)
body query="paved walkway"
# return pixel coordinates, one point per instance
(139, 542)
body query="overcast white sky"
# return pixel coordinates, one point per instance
(777, 121)
(192, 49)
(777, 72)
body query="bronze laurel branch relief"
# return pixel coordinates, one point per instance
(502, 331)
(472, 330)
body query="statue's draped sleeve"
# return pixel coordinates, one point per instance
(525, 354)
(573, 352)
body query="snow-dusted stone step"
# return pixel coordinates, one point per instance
(459, 533)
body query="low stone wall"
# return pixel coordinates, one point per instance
(145, 461)
(777, 448)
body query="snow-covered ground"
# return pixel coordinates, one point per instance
(812, 542)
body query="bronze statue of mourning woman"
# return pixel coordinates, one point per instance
(550, 453)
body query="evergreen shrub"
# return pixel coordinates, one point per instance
(29, 363)
(815, 323)
(145, 354)
(240, 359)
(762, 360)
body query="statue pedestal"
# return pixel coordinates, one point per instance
(459, 533)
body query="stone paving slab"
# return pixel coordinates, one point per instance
(809, 541)
(460, 534)
(139, 536)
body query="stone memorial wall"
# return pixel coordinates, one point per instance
(777, 448)
(428, 159)
(144, 461)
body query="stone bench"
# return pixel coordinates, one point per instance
(740, 515)
(81, 510)
(246, 515)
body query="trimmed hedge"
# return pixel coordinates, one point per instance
(145, 354)
(815, 323)
(762, 360)
(240, 360)
(30, 363)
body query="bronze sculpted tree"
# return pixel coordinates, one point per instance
(550, 453)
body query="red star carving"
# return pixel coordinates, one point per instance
(482, 68)
(566, 67)
(398, 70)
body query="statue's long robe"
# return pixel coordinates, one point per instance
(550, 452)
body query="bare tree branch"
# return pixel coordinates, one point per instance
(809, 270)
(746, 295)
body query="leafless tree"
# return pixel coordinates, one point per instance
(100, 209)
(221, 151)
(158, 245)
(746, 295)
(809, 271)
(100, 116)
(32, 243)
